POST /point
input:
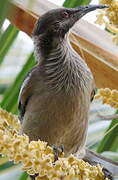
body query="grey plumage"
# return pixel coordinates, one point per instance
(60, 102)
(59, 88)
(55, 96)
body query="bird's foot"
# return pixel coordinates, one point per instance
(107, 173)
(57, 151)
(33, 176)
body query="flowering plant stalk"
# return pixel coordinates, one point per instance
(109, 17)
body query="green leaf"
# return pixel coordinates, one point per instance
(10, 98)
(75, 3)
(6, 40)
(3, 87)
(3, 11)
(6, 165)
(95, 127)
(110, 141)
(23, 176)
(111, 155)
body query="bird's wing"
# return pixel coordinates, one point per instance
(93, 94)
(25, 94)
(94, 89)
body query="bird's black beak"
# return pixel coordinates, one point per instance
(82, 10)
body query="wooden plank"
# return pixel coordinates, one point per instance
(92, 43)
(24, 13)
(97, 42)
(105, 75)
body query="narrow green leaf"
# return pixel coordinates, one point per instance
(6, 165)
(6, 40)
(75, 3)
(3, 88)
(111, 155)
(23, 176)
(110, 141)
(10, 98)
(3, 11)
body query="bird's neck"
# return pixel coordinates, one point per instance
(56, 56)
(47, 46)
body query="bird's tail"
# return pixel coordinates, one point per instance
(107, 163)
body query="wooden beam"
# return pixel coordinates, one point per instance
(93, 44)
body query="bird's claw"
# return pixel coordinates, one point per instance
(32, 177)
(57, 151)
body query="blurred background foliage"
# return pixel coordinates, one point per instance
(10, 49)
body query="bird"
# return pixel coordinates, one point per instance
(55, 96)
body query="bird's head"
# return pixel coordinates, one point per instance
(57, 22)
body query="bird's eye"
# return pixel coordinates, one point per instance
(65, 14)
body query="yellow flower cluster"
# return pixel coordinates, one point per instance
(108, 96)
(112, 17)
(38, 157)
(9, 119)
